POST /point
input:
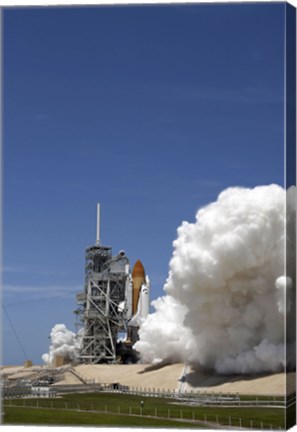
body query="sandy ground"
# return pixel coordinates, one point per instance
(68, 379)
(265, 384)
(136, 376)
(167, 377)
(19, 372)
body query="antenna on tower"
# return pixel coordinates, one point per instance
(98, 225)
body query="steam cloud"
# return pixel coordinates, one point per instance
(228, 292)
(63, 342)
(225, 305)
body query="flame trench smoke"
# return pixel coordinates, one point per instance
(229, 290)
(63, 342)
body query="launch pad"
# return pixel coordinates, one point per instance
(113, 303)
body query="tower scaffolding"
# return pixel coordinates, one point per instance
(113, 301)
(103, 303)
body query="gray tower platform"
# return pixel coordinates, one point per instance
(102, 310)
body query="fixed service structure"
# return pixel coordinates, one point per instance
(112, 304)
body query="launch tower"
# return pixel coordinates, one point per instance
(102, 303)
(113, 302)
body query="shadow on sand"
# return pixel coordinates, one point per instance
(154, 367)
(200, 377)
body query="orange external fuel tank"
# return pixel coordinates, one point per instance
(138, 278)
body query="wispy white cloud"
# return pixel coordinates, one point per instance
(17, 294)
(13, 269)
(15, 289)
(31, 270)
(40, 116)
(249, 94)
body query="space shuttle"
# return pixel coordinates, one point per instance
(138, 300)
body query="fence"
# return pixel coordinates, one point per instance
(189, 398)
(27, 391)
(209, 420)
(211, 399)
(78, 388)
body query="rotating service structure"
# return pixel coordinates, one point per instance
(113, 303)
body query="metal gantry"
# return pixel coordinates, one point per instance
(102, 304)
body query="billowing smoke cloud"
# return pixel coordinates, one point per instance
(63, 342)
(225, 304)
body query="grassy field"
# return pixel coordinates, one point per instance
(35, 416)
(125, 410)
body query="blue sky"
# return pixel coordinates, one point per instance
(151, 111)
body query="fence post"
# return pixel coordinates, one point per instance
(251, 422)
(205, 418)
(240, 423)
(261, 425)
(230, 423)
(181, 414)
(129, 410)
(193, 415)
(169, 413)
(217, 419)
(156, 412)
(37, 403)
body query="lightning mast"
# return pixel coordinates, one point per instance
(98, 225)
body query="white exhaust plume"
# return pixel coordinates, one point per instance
(63, 342)
(225, 305)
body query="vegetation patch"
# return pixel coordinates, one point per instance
(130, 410)
(33, 416)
